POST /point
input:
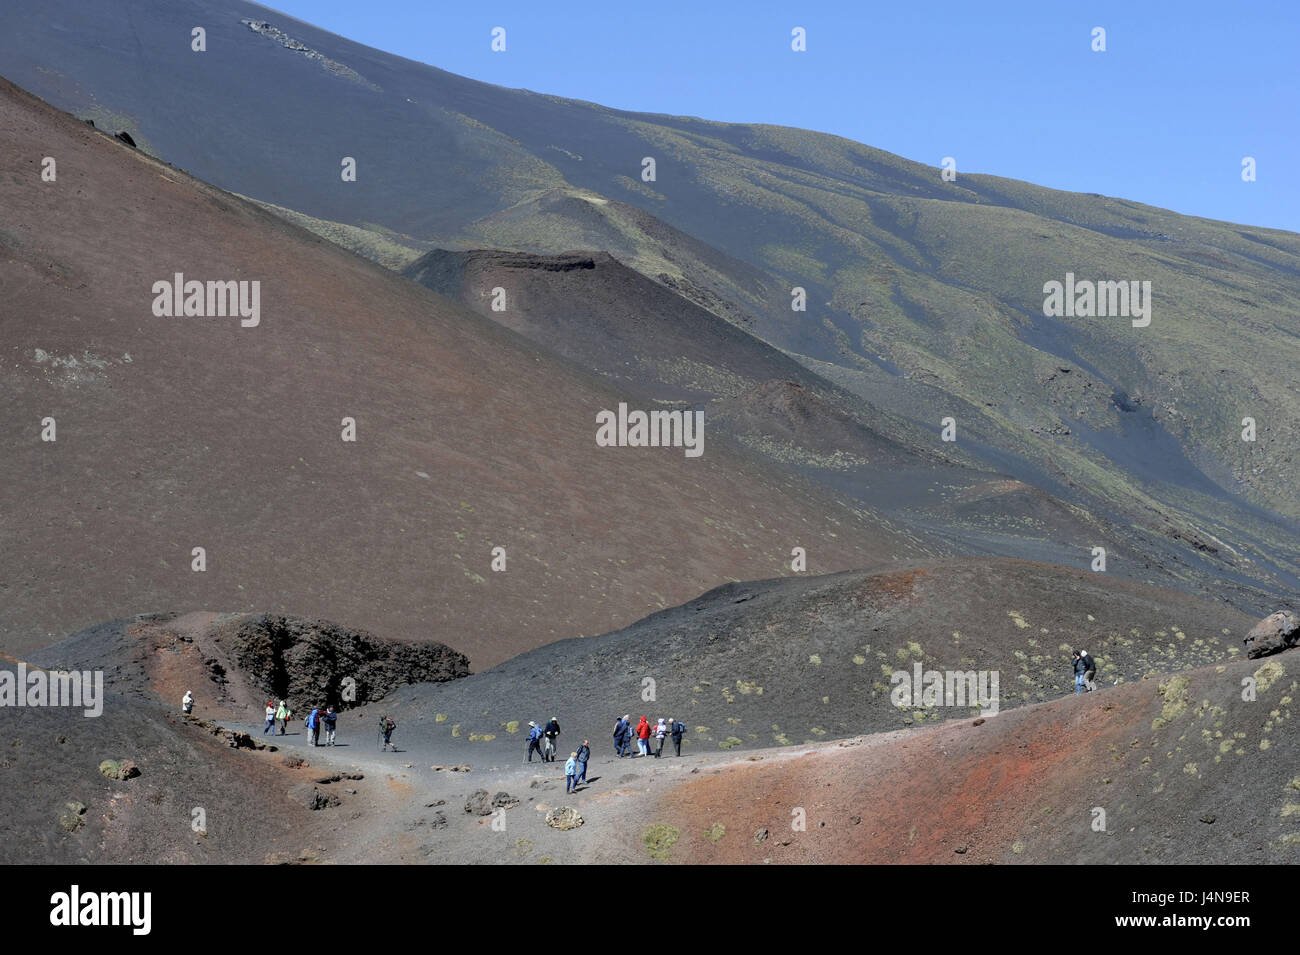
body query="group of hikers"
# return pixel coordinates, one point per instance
(644, 731)
(279, 714)
(542, 740)
(319, 719)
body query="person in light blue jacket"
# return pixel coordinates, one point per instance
(570, 769)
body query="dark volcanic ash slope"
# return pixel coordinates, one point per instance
(183, 433)
(606, 317)
(652, 340)
(787, 661)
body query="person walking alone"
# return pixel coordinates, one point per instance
(1080, 668)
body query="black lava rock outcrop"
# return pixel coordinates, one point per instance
(302, 659)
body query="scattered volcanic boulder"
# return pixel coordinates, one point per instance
(563, 818)
(481, 804)
(125, 137)
(119, 769)
(303, 659)
(320, 800)
(1275, 633)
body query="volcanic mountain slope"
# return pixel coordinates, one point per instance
(606, 317)
(924, 296)
(173, 434)
(651, 339)
(1178, 768)
(806, 659)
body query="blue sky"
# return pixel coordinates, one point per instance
(1183, 92)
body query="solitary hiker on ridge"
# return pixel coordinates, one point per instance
(1080, 668)
(1089, 670)
(187, 703)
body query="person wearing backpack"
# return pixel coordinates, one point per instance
(1080, 668)
(679, 730)
(283, 714)
(1089, 670)
(386, 727)
(535, 741)
(584, 754)
(330, 719)
(622, 733)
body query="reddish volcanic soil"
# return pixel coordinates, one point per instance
(1212, 784)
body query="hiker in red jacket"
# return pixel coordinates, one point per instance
(643, 737)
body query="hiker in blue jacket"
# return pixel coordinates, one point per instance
(535, 741)
(313, 725)
(570, 768)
